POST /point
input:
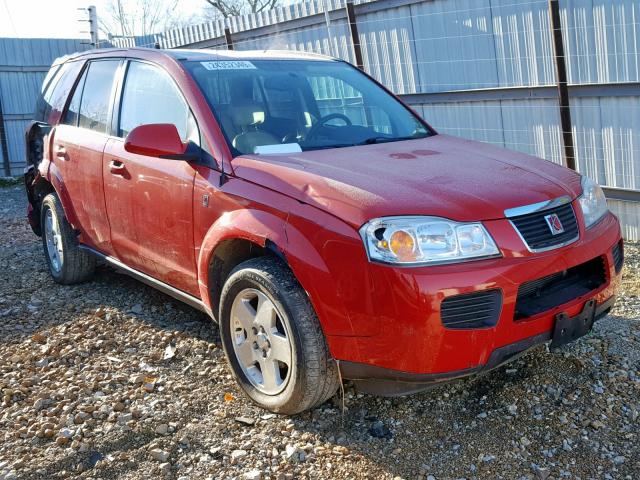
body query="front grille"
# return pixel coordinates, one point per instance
(536, 232)
(545, 293)
(472, 310)
(618, 256)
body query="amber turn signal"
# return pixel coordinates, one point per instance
(403, 246)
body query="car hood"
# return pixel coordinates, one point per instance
(441, 176)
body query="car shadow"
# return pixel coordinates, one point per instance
(483, 418)
(104, 292)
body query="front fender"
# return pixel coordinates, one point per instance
(303, 258)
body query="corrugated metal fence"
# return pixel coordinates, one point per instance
(481, 69)
(23, 65)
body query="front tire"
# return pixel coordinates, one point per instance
(68, 264)
(273, 340)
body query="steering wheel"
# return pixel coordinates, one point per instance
(313, 131)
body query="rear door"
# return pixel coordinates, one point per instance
(78, 144)
(150, 200)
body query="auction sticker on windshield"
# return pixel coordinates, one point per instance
(229, 65)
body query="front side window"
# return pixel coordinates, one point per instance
(293, 105)
(151, 96)
(97, 94)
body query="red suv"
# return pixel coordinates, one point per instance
(327, 228)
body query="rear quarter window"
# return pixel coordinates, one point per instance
(45, 92)
(54, 96)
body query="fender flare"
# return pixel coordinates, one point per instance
(56, 181)
(269, 230)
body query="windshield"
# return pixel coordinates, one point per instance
(288, 106)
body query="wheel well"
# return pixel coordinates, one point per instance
(227, 256)
(37, 187)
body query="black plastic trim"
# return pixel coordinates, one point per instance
(544, 294)
(618, 256)
(473, 310)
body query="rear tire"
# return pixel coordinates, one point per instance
(68, 264)
(267, 324)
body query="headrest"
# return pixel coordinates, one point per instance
(247, 114)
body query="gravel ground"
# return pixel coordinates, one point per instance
(88, 391)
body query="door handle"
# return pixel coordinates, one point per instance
(61, 152)
(117, 167)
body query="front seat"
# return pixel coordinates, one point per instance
(250, 138)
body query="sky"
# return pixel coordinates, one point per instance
(59, 18)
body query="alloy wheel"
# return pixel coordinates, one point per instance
(261, 341)
(53, 239)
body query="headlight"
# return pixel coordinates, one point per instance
(592, 202)
(425, 240)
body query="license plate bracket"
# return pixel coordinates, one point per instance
(567, 329)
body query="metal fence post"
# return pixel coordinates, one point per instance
(227, 37)
(563, 90)
(355, 38)
(3, 144)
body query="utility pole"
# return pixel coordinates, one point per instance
(93, 25)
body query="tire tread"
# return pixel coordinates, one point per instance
(78, 265)
(320, 372)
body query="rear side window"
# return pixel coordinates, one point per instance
(151, 96)
(73, 110)
(97, 94)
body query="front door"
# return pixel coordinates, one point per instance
(150, 200)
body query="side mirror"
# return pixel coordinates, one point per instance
(160, 140)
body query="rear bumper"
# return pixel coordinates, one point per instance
(387, 382)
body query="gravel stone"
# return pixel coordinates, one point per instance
(380, 430)
(85, 392)
(159, 455)
(237, 455)
(253, 475)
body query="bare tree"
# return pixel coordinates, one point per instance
(232, 8)
(139, 17)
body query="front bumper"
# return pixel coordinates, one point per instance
(406, 338)
(386, 382)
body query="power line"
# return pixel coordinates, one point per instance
(13, 26)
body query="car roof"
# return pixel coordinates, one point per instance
(204, 54)
(196, 55)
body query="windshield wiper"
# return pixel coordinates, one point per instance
(326, 147)
(381, 139)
